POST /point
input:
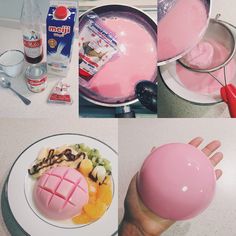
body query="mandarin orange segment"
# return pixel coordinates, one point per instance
(108, 181)
(86, 166)
(92, 199)
(92, 186)
(105, 194)
(82, 219)
(96, 210)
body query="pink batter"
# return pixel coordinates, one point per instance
(136, 60)
(203, 82)
(200, 57)
(180, 28)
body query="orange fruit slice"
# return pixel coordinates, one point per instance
(82, 219)
(92, 199)
(105, 194)
(86, 166)
(108, 181)
(92, 186)
(96, 210)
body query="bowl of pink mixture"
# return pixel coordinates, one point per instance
(182, 27)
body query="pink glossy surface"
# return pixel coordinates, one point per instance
(180, 29)
(136, 60)
(176, 181)
(202, 82)
(61, 193)
(201, 56)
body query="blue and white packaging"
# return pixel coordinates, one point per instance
(60, 31)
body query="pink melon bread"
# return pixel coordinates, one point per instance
(61, 193)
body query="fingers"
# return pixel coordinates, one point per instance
(218, 173)
(211, 147)
(208, 150)
(196, 141)
(216, 158)
(132, 186)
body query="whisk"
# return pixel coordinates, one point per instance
(228, 90)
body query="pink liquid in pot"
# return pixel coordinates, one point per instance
(202, 82)
(136, 60)
(181, 28)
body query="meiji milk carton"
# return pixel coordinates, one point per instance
(60, 34)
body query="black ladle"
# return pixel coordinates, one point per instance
(146, 92)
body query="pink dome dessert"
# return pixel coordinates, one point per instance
(61, 193)
(176, 181)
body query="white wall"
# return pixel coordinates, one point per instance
(12, 8)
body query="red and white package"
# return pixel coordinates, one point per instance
(97, 45)
(60, 94)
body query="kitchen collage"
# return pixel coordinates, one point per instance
(117, 117)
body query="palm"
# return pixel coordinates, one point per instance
(141, 217)
(147, 222)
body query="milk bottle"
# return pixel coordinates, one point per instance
(60, 34)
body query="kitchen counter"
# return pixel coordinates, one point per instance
(17, 134)
(11, 105)
(135, 143)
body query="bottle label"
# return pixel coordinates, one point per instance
(33, 44)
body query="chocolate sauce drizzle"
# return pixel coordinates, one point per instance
(52, 159)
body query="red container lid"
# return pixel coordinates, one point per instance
(61, 12)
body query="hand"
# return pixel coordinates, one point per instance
(139, 220)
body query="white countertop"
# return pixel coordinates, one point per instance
(17, 134)
(136, 139)
(12, 106)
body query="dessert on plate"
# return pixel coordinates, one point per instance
(72, 182)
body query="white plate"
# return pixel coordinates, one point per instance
(172, 81)
(20, 189)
